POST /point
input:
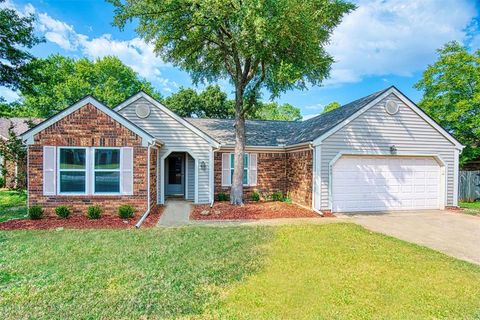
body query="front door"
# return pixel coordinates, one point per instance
(175, 180)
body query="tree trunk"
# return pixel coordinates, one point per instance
(236, 192)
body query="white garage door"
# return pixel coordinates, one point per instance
(363, 183)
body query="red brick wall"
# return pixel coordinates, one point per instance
(299, 176)
(286, 172)
(87, 127)
(270, 174)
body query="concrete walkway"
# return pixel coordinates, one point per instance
(452, 233)
(176, 213)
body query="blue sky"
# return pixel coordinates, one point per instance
(382, 43)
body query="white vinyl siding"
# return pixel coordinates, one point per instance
(374, 132)
(190, 178)
(176, 137)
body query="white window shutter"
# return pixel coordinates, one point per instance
(252, 170)
(127, 171)
(226, 175)
(49, 171)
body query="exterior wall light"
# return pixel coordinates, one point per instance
(203, 165)
(393, 149)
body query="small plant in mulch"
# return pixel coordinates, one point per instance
(255, 196)
(94, 212)
(63, 212)
(223, 196)
(35, 212)
(125, 211)
(277, 196)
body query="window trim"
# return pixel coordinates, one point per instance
(93, 171)
(247, 168)
(58, 171)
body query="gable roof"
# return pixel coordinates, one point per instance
(284, 133)
(210, 139)
(146, 137)
(20, 125)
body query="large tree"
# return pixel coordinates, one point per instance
(60, 81)
(271, 45)
(16, 35)
(451, 95)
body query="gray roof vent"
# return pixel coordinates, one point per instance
(142, 110)
(391, 107)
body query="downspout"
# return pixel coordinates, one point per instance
(145, 215)
(212, 183)
(314, 173)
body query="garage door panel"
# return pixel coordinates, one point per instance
(362, 183)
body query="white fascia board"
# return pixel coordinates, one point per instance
(146, 138)
(405, 100)
(170, 113)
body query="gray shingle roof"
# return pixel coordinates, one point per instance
(276, 133)
(20, 125)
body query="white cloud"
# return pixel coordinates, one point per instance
(8, 94)
(395, 37)
(135, 53)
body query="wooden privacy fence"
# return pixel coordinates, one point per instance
(469, 186)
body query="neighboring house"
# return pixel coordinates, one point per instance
(380, 152)
(13, 173)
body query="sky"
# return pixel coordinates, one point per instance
(381, 43)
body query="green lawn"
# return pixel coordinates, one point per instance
(338, 271)
(472, 208)
(13, 204)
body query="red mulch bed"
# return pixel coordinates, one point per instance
(81, 222)
(251, 211)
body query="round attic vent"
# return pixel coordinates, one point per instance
(391, 107)
(142, 110)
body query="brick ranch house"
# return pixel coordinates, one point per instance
(377, 153)
(14, 173)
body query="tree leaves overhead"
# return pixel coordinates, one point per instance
(452, 95)
(16, 34)
(331, 106)
(59, 81)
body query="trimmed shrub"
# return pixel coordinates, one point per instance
(63, 211)
(277, 196)
(94, 212)
(222, 196)
(255, 196)
(35, 212)
(125, 211)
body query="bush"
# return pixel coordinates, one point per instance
(35, 212)
(94, 212)
(125, 211)
(222, 196)
(255, 196)
(63, 211)
(277, 196)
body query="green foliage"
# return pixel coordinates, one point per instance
(16, 34)
(451, 95)
(125, 211)
(94, 212)
(61, 81)
(35, 212)
(331, 106)
(222, 196)
(276, 196)
(63, 211)
(13, 204)
(287, 199)
(274, 111)
(255, 196)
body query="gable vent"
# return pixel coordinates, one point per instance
(391, 107)
(142, 110)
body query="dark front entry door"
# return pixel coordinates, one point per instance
(175, 180)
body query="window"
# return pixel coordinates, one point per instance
(107, 171)
(245, 167)
(72, 170)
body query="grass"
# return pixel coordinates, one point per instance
(13, 204)
(339, 271)
(472, 208)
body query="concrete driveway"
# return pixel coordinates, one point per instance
(453, 233)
